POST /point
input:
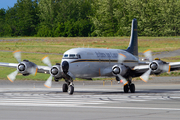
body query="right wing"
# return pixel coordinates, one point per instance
(40, 69)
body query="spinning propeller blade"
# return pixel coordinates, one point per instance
(123, 79)
(12, 76)
(148, 55)
(121, 58)
(17, 55)
(46, 61)
(145, 76)
(48, 83)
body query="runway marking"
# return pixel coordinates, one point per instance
(40, 98)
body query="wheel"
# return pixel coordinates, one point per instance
(71, 89)
(132, 88)
(126, 88)
(117, 78)
(65, 87)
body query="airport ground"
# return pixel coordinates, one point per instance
(30, 100)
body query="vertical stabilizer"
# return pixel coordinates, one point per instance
(133, 45)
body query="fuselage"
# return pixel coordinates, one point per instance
(95, 62)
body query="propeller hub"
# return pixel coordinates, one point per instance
(116, 70)
(21, 67)
(65, 66)
(54, 71)
(153, 66)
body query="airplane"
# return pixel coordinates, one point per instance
(88, 63)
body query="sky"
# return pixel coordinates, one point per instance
(5, 3)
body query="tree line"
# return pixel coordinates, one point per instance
(72, 18)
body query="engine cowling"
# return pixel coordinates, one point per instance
(158, 66)
(56, 71)
(119, 69)
(26, 67)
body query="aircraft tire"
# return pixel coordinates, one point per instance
(65, 87)
(126, 88)
(71, 89)
(132, 88)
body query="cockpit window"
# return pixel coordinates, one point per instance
(66, 55)
(72, 56)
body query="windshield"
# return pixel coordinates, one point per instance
(71, 56)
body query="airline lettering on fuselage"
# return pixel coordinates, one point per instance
(109, 55)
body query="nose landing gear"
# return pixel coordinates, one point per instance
(68, 87)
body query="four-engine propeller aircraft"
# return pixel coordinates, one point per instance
(93, 62)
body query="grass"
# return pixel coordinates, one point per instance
(35, 46)
(61, 44)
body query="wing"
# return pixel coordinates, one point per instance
(143, 71)
(139, 70)
(12, 65)
(174, 66)
(40, 69)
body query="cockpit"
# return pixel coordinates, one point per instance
(71, 56)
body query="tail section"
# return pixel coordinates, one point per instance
(133, 45)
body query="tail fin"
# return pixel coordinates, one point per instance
(133, 45)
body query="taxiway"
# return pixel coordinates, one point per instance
(157, 99)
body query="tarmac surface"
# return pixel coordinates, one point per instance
(30, 100)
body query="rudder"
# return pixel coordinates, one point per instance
(133, 45)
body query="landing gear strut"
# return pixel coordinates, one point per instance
(130, 86)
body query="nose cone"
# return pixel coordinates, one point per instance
(153, 66)
(65, 66)
(21, 67)
(116, 70)
(54, 71)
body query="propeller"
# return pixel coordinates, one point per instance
(153, 66)
(12, 76)
(148, 54)
(121, 58)
(46, 61)
(21, 66)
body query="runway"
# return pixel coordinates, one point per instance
(158, 99)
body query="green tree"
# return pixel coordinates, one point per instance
(26, 17)
(2, 21)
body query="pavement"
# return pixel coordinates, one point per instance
(30, 100)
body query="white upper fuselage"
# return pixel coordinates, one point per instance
(95, 62)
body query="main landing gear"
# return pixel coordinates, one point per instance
(68, 87)
(129, 86)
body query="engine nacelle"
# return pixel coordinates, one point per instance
(26, 68)
(56, 71)
(158, 66)
(119, 69)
